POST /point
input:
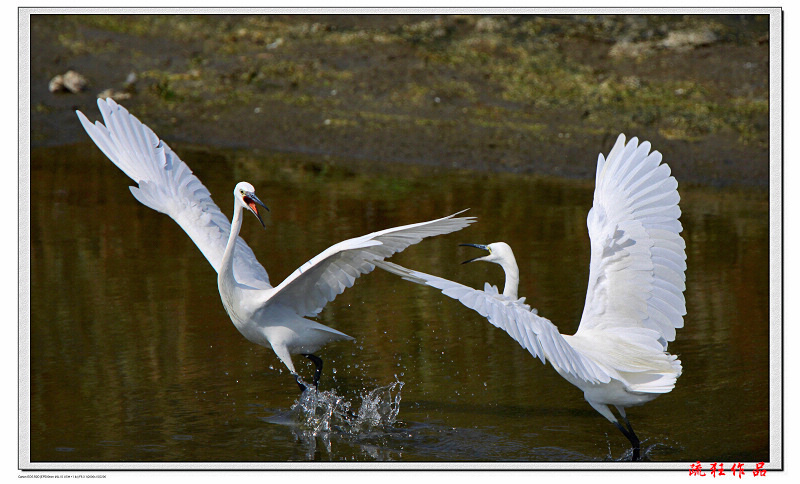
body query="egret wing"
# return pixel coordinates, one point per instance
(317, 282)
(166, 184)
(638, 259)
(534, 333)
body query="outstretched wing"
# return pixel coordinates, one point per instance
(167, 185)
(317, 282)
(636, 275)
(534, 333)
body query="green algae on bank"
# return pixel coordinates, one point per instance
(522, 93)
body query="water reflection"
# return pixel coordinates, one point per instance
(134, 359)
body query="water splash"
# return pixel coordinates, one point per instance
(319, 417)
(651, 449)
(379, 408)
(327, 411)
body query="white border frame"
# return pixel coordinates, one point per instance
(776, 255)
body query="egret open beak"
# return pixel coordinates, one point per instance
(478, 246)
(252, 202)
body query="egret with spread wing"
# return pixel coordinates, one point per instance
(269, 316)
(634, 301)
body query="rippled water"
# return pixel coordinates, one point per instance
(133, 359)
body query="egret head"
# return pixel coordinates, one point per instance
(245, 194)
(499, 253)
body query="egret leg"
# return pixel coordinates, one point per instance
(318, 367)
(627, 432)
(631, 435)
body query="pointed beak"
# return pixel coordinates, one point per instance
(252, 202)
(477, 246)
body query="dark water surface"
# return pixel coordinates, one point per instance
(132, 357)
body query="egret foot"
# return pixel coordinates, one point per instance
(300, 383)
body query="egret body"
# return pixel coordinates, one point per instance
(274, 317)
(634, 301)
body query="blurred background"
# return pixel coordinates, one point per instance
(525, 93)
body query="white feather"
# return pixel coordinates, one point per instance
(272, 317)
(634, 300)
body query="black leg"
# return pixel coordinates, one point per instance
(634, 440)
(631, 435)
(318, 365)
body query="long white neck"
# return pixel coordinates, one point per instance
(509, 265)
(225, 276)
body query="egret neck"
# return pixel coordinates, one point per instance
(225, 278)
(509, 265)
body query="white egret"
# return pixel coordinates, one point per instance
(634, 301)
(268, 316)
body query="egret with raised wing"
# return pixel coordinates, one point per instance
(269, 316)
(634, 302)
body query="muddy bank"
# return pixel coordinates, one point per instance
(528, 94)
